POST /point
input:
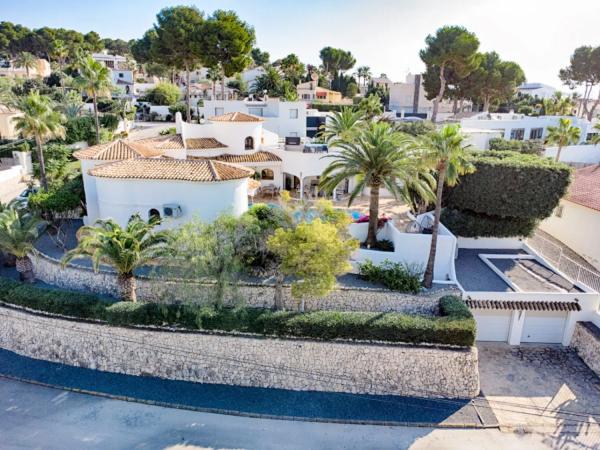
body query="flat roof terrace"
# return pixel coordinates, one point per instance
(507, 274)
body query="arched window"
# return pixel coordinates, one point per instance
(267, 174)
(153, 214)
(249, 143)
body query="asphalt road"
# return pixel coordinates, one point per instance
(35, 417)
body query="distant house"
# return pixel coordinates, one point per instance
(382, 81)
(537, 90)
(409, 99)
(122, 74)
(311, 91)
(576, 220)
(520, 126)
(40, 70)
(7, 125)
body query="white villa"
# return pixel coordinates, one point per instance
(203, 170)
(519, 126)
(121, 73)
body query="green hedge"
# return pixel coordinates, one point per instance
(455, 326)
(394, 276)
(469, 224)
(510, 184)
(531, 146)
(64, 197)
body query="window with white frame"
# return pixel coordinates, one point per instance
(517, 133)
(294, 113)
(219, 111)
(536, 133)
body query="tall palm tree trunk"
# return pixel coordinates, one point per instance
(40, 155)
(126, 284)
(438, 99)
(222, 86)
(558, 153)
(373, 216)
(96, 120)
(187, 95)
(428, 277)
(25, 269)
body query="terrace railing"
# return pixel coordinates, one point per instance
(555, 254)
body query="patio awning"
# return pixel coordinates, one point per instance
(517, 305)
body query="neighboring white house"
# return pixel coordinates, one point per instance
(41, 69)
(519, 126)
(538, 90)
(576, 221)
(7, 124)
(121, 73)
(286, 119)
(409, 99)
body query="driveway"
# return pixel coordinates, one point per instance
(535, 387)
(34, 417)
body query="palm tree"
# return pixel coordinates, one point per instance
(562, 135)
(18, 231)
(95, 79)
(364, 73)
(558, 105)
(378, 156)
(59, 53)
(341, 125)
(596, 136)
(39, 121)
(446, 151)
(125, 249)
(26, 60)
(214, 74)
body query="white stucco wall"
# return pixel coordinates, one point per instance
(506, 122)
(232, 134)
(119, 199)
(578, 228)
(583, 154)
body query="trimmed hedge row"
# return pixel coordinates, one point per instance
(510, 184)
(470, 224)
(455, 326)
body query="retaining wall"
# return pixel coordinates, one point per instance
(586, 341)
(371, 368)
(259, 295)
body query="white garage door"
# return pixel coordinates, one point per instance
(492, 325)
(544, 327)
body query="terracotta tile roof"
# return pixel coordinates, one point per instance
(118, 150)
(257, 157)
(203, 143)
(585, 188)
(236, 117)
(171, 169)
(168, 142)
(524, 305)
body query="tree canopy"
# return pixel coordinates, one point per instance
(584, 70)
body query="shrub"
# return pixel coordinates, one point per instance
(506, 196)
(531, 147)
(164, 94)
(80, 129)
(65, 197)
(109, 121)
(510, 184)
(394, 276)
(383, 245)
(178, 107)
(455, 326)
(76, 304)
(470, 224)
(451, 305)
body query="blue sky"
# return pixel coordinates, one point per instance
(383, 34)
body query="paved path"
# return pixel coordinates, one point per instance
(540, 387)
(33, 417)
